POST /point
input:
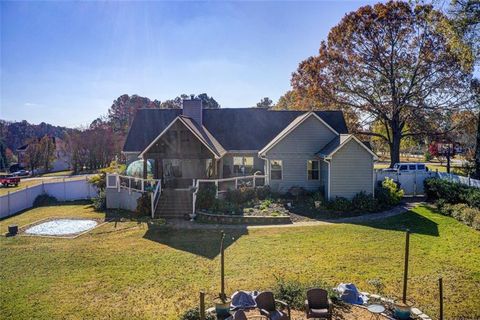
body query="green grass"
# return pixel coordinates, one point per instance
(128, 271)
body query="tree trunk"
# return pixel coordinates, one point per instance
(476, 173)
(395, 149)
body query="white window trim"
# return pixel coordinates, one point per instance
(281, 171)
(308, 178)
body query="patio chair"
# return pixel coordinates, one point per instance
(267, 304)
(318, 304)
(241, 315)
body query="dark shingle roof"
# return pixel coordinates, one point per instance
(234, 129)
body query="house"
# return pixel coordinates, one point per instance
(61, 160)
(312, 150)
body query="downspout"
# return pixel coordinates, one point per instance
(267, 169)
(329, 178)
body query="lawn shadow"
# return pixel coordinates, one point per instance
(411, 220)
(200, 242)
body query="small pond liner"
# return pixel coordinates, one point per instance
(61, 227)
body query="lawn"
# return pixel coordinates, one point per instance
(130, 271)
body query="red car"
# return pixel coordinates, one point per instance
(9, 180)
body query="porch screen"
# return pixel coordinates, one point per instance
(242, 165)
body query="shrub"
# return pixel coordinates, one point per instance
(265, 204)
(44, 200)
(144, 205)
(290, 291)
(451, 192)
(294, 292)
(388, 193)
(194, 314)
(99, 181)
(364, 202)
(476, 222)
(206, 196)
(263, 193)
(472, 197)
(240, 196)
(468, 215)
(427, 156)
(340, 204)
(100, 201)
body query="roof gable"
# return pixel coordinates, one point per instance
(291, 127)
(338, 143)
(198, 131)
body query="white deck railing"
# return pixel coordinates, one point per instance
(131, 183)
(226, 184)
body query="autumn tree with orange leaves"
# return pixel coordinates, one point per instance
(387, 64)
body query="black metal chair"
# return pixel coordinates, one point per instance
(268, 307)
(318, 304)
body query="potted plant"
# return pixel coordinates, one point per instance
(222, 303)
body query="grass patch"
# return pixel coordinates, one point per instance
(126, 270)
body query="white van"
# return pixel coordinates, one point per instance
(409, 167)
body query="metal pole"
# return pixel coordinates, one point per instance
(222, 267)
(202, 305)
(440, 289)
(405, 272)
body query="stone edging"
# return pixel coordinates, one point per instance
(415, 311)
(232, 219)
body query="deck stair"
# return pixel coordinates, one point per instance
(174, 203)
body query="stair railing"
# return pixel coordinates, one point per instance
(242, 179)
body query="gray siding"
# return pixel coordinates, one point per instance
(351, 171)
(299, 146)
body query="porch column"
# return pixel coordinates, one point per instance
(215, 169)
(144, 167)
(220, 168)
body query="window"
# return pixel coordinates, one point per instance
(412, 167)
(242, 165)
(403, 167)
(276, 169)
(421, 167)
(313, 169)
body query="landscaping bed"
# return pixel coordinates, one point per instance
(254, 205)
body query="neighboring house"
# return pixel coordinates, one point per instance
(60, 163)
(312, 150)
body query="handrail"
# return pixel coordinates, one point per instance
(134, 183)
(216, 181)
(156, 197)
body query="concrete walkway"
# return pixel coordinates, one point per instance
(404, 207)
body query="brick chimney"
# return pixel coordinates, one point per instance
(193, 109)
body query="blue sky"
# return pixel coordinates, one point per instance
(65, 62)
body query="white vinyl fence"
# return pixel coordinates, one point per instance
(63, 190)
(459, 179)
(412, 182)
